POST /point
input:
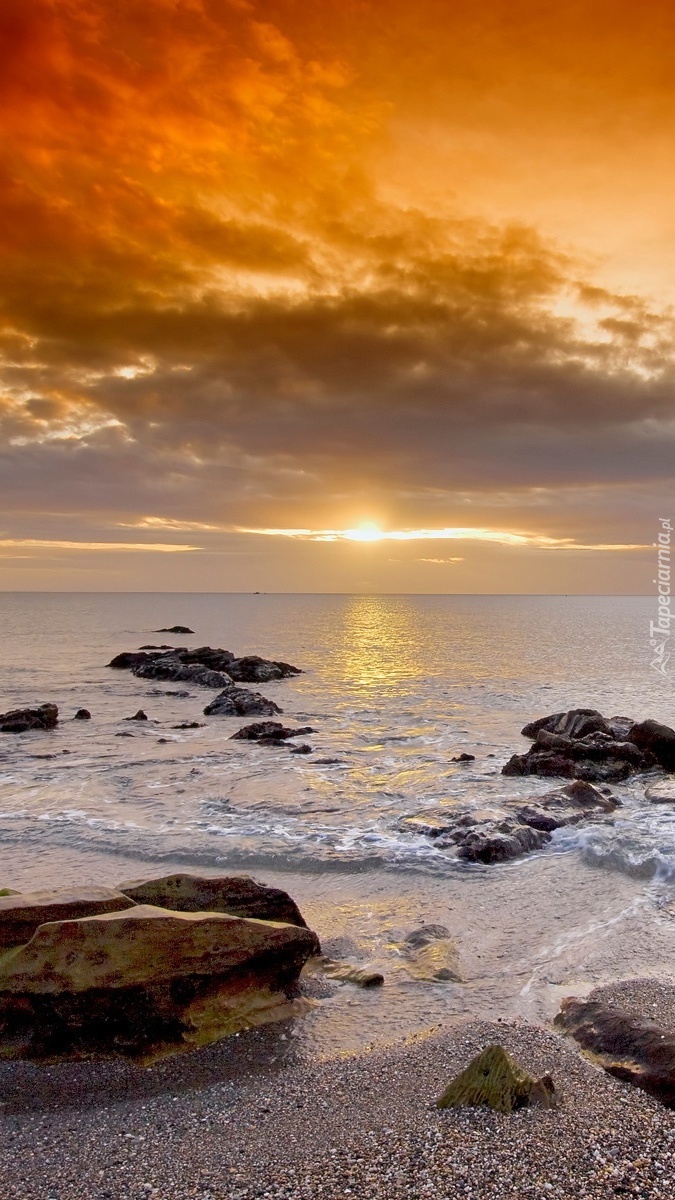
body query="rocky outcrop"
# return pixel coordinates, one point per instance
(22, 720)
(21, 913)
(494, 1079)
(582, 744)
(82, 714)
(240, 702)
(494, 835)
(344, 972)
(143, 980)
(629, 1047)
(174, 629)
(238, 895)
(140, 715)
(269, 732)
(655, 739)
(205, 666)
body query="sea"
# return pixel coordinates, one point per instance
(395, 687)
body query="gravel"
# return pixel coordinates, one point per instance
(249, 1120)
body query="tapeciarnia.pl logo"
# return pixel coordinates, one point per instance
(659, 630)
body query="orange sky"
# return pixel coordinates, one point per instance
(272, 267)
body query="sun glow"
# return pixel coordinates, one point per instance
(367, 531)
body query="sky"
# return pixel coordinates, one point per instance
(336, 295)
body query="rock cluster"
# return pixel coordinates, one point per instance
(631, 1048)
(497, 834)
(150, 968)
(582, 744)
(205, 666)
(240, 702)
(20, 720)
(270, 733)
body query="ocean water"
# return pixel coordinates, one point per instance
(394, 687)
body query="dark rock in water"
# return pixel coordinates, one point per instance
(21, 913)
(494, 842)
(656, 739)
(125, 733)
(567, 806)
(240, 702)
(494, 1079)
(252, 669)
(269, 729)
(138, 716)
(238, 895)
(82, 714)
(129, 659)
(303, 748)
(190, 725)
(596, 757)
(164, 647)
(574, 724)
(631, 1048)
(172, 666)
(205, 666)
(22, 720)
(464, 758)
(174, 629)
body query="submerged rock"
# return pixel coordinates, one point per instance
(261, 731)
(174, 629)
(633, 1049)
(22, 720)
(344, 972)
(464, 758)
(494, 1079)
(238, 895)
(21, 913)
(568, 805)
(138, 716)
(431, 955)
(82, 714)
(240, 702)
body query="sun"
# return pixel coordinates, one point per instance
(367, 531)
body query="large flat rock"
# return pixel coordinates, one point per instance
(22, 912)
(145, 945)
(238, 895)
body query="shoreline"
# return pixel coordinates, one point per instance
(251, 1117)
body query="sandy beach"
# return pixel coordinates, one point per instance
(251, 1118)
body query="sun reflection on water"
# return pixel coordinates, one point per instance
(379, 645)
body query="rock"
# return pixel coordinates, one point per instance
(656, 739)
(574, 724)
(252, 669)
(146, 982)
(464, 758)
(174, 629)
(22, 912)
(431, 955)
(569, 805)
(431, 822)
(190, 725)
(661, 793)
(173, 667)
(494, 1079)
(498, 842)
(138, 716)
(125, 733)
(595, 757)
(240, 702)
(303, 748)
(22, 720)
(238, 895)
(345, 973)
(629, 1047)
(205, 666)
(262, 730)
(82, 714)
(162, 647)
(8, 892)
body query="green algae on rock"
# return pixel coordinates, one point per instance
(238, 895)
(494, 1079)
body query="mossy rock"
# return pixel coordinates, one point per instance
(494, 1079)
(8, 892)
